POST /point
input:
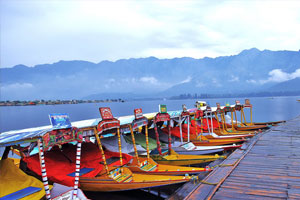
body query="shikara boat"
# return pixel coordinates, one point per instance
(243, 125)
(269, 123)
(197, 130)
(148, 165)
(170, 157)
(228, 129)
(121, 180)
(218, 129)
(174, 158)
(190, 149)
(37, 142)
(240, 107)
(14, 181)
(116, 176)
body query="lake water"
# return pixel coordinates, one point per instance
(19, 117)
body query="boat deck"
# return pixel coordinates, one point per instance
(266, 167)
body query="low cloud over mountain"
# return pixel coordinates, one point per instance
(251, 70)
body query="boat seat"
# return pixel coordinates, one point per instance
(149, 167)
(155, 151)
(21, 193)
(82, 171)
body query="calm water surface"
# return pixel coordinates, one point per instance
(19, 117)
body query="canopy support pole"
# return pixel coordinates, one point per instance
(196, 127)
(221, 122)
(169, 138)
(251, 114)
(224, 120)
(208, 128)
(147, 143)
(235, 117)
(216, 115)
(120, 146)
(188, 124)
(77, 171)
(245, 122)
(180, 129)
(211, 123)
(43, 169)
(134, 145)
(102, 151)
(201, 128)
(157, 139)
(232, 125)
(241, 115)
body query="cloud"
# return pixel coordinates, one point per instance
(149, 79)
(17, 91)
(277, 76)
(110, 30)
(234, 79)
(200, 84)
(187, 80)
(216, 82)
(251, 81)
(17, 86)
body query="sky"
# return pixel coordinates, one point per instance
(43, 31)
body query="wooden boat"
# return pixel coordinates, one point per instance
(171, 157)
(14, 181)
(191, 149)
(121, 180)
(174, 158)
(40, 140)
(199, 139)
(224, 132)
(244, 125)
(176, 147)
(148, 165)
(218, 128)
(208, 140)
(119, 177)
(228, 128)
(269, 123)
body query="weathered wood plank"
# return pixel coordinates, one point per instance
(237, 195)
(269, 168)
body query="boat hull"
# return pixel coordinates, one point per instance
(138, 181)
(268, 123)
(180, 160)
(162, 169)
(217, 142)
(251, 128)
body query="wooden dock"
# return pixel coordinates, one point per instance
(267, 167)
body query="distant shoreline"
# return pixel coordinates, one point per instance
(55, 102)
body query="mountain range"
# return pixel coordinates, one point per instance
(251, 70)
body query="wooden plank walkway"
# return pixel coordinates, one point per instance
(267, 168)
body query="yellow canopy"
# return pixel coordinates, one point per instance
(13, 179)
